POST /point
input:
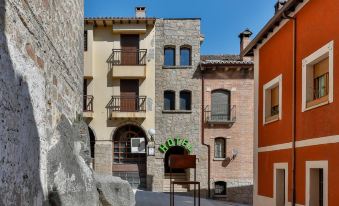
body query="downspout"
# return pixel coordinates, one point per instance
(294, 19)
(203, 131)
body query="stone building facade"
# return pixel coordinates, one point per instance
(44, 144)
(176, 122)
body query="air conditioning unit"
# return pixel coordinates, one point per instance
(138, 145)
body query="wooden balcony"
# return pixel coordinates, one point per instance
(220, 114)
(88, 106)
(126, 107)
(128, 64)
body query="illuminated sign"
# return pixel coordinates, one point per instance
(172, 142)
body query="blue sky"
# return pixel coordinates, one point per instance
(222, 20)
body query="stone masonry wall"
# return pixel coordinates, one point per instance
(177, 32)
(40, 93)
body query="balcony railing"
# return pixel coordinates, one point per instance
(88, 103)
(222, 113)
(126, 104)
(126, 57)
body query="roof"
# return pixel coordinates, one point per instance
(275, 21)
(223, 59)
(119, 18)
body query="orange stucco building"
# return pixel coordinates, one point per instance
(296, 147)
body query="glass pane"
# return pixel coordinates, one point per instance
(185, 57)
(169, 101)
(169, 57)
(185, 101)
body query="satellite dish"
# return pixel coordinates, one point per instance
(234, 153)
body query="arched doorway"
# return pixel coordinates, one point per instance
(92, 145)
(177, 150)
(128, 165)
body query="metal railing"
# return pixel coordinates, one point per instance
(222, 113)
(88, 103)
(126, 57)
(126, 104)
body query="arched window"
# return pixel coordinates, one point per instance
(221, 105)
(169, 100)
(185, 56)
(169, 56)
(220, 188)
(220, 147)
(185, 100)
(92, 141)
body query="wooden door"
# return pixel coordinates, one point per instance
(130, 47)
(129, 92)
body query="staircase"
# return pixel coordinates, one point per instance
(175, 177)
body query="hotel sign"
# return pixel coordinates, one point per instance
(172, 142)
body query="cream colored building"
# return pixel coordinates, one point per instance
(119, 91)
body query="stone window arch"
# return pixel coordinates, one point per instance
(185, 100)
(169, 55)
(169, 100)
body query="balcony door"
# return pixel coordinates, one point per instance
(220, 105)
(129, 92)
(129, 47)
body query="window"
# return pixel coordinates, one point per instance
(185, 56)
(316, 183)
(220, 148)
(85, 40)
(185, 100)
(169, 100)
(220, 188)
(317, 74)
(272, 100)
(169, 54)
(221, 105)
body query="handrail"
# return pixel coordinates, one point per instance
(88, 103)
(127, 57)
(127, 104)
(220, 113)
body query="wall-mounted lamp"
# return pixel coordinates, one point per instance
(151, 133)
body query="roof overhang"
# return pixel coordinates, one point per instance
(110, 21)
(288, 8)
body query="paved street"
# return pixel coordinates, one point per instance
(146, 198)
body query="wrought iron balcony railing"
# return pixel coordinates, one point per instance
(128, 57)
(88, 103)
(222, 113)
(126, 104)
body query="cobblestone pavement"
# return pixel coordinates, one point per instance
(146, 198)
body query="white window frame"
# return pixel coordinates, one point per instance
(283, 166)
(317, 56)
(270, 85)
(316, 165)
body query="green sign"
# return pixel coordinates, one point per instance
(172, 142)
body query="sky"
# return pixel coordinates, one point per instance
(221, 20)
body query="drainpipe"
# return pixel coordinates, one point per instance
(203, 131)
(293, 105)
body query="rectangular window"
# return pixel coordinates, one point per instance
(220, 148)
(185, 100)
(185, 56)
(85, 40)
(272, 100)
(169, 57)
(317, 78)
(169, 100)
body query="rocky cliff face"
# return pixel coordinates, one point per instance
(43, 145)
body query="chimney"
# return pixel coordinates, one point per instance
(244, 41)
(140, 12)
(279, 5)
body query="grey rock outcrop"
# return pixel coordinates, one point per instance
(113, 191)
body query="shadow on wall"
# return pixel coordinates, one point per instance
(19, 139)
